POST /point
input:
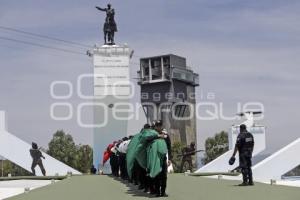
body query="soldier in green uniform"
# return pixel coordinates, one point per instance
(36, 155)
(187, 154)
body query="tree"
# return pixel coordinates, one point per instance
(215, 146)
(176, 160)
(63, 148)
(84, 158)
(13, 169)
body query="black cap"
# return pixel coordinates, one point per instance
(34, 145)
(158, 123)
(152, 124)
(146, 126)
(243, 127)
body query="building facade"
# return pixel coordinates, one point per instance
(168, 94)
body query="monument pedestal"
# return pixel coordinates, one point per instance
(111, 97)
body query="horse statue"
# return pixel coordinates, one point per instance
(110, 26)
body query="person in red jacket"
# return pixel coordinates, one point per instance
(107, 153)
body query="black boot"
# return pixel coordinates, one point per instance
(243, 184)
(164, 195)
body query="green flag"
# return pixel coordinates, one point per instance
(130, 155)
(156, 152)
(141, 150)
(148, 155)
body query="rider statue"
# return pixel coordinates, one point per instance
(110, 26)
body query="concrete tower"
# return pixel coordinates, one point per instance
(168, 94)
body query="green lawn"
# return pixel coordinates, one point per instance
(180, 187)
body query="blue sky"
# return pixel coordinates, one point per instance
(243, 50)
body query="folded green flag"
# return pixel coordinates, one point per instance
(141, 150)
(131, 150)
(156, 153)
(149, 155)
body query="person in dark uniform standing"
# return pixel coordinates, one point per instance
(122, 159)
(93, 170)
(36, 155)
(244, 145)
(160, 182)
(114, 160)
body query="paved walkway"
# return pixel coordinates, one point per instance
(9, 188)
(180, 187)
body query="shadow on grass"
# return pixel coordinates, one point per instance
(132, 189)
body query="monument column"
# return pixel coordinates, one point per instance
(111, 96)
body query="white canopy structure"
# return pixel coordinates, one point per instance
(17, 151)
(220, 164)
(271, 168)
(279, 163)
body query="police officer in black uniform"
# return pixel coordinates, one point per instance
(244, 145)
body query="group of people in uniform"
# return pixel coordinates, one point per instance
(142, 159)
(145, 158)
(133, 158)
